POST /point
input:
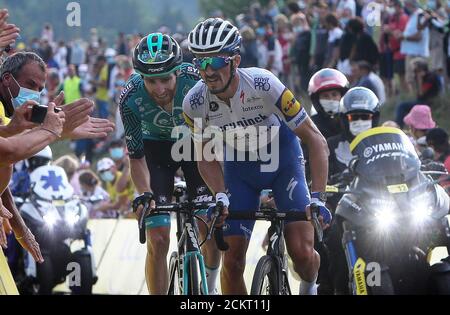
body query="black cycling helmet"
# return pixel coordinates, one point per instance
(157, 54)
(359, 100)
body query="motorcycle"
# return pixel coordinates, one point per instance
(57, 218)
(389, 219)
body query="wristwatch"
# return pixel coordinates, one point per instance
(321, 195)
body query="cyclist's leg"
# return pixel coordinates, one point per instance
(158, 226)
(237, 233)
(196, 187)
(291, 193)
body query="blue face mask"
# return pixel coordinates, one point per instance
(24, 95)
(116, 153)
(107, 176)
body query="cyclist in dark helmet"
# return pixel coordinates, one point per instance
(151, 107)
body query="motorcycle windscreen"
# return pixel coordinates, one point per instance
(385, 156)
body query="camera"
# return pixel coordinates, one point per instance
(39, 112)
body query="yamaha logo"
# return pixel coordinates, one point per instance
(368, 152)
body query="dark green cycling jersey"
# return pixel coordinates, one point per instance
(143, 119)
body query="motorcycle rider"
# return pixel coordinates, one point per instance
(326, 88)
(359, 111)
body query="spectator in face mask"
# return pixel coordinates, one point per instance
(117, 152)
(117, 184)
(91, 189)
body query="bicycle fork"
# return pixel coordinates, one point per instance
(185, 268)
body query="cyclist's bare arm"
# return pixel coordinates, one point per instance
(318, 153)
(140, 175)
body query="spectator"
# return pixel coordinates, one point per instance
(269, 48)
(364, 76)
(284, 36)
(438, 140)
(436, 19)
(395, 25)
(302, 47)
(117, 153)
(428, 87)
(350, 5)
(90, 187)
(249, 51)
(364, 47)
(122, 47)
(345, 50)
(70, 165)
(52, 86)
(419, 121)
(47, 33)
(319, 36)
(390, 123)
(414, 39)
(118, 186)
(78, 55)
(334, 38)
(72, 86)
(101, 85)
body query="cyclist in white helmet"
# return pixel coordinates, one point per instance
(234, 99)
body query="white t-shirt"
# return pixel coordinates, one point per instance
(261, 100)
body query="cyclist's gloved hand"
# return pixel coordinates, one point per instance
(323, 210)
(222, 197)
(141, 201)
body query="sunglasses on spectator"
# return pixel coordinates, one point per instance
(216, 63)
(359, 116)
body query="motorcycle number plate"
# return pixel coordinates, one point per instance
(397, 189)
(58, 203)
(332, 189)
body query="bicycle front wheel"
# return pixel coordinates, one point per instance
(193, 285)
(265, 279)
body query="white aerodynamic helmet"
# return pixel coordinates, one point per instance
(214, 35)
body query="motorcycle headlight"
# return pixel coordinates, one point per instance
(385, 219)
(72, 219)
(50, 219)
(422, 208)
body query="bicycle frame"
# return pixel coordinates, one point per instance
(188, 246)
(276, 250)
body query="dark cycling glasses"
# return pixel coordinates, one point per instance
(359, 116)
(216, 63)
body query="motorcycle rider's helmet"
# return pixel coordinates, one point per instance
(43, 157)
(157, 54)
(50, 182)
(359, 111)
(325, 80)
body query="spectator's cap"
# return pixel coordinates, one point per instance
(437, 137)
(104, 164)
(420, 118)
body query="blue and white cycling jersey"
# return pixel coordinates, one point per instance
(261, 101)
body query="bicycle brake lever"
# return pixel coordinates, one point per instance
(141, 224)
(316, 223)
